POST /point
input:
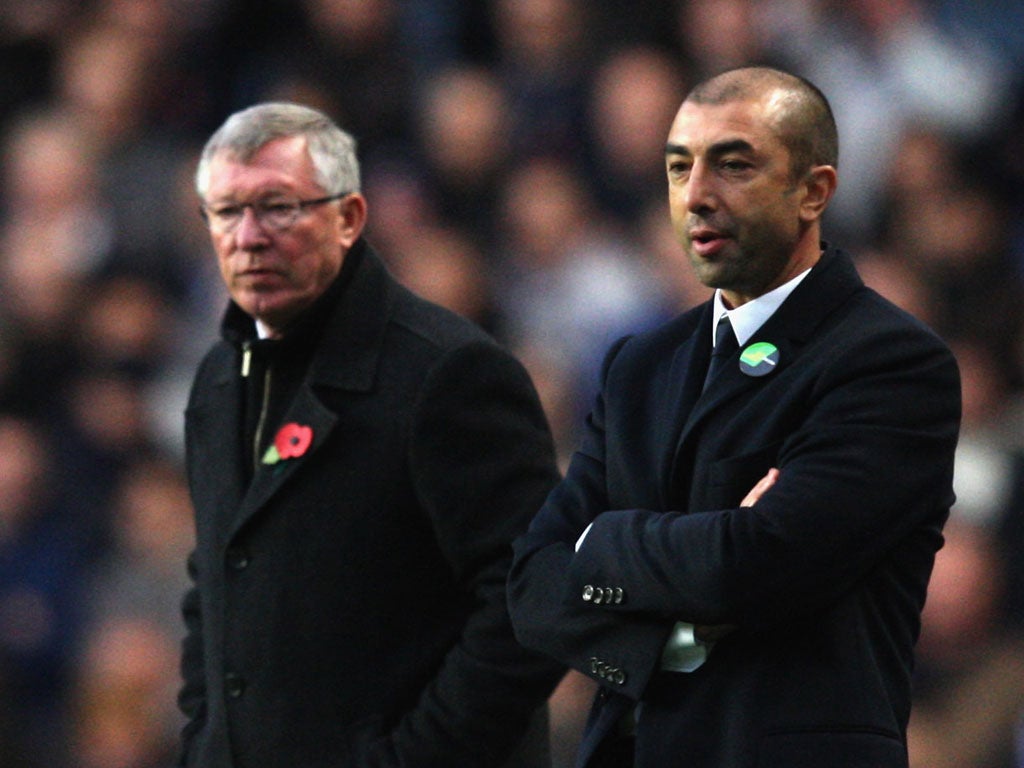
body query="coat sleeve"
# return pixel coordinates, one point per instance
(482, 460)
(866, 473)
(618, 648)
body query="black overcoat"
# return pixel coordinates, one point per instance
(349, 605)
(825, 576)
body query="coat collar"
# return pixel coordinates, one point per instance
(350, 348)
(345, 327)
(830, 283)
(346, 333)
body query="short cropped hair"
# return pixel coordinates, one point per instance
(806, 124)
(332, 150)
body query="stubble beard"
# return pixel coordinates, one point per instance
(747, 269)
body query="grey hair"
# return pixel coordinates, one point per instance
(332, 150)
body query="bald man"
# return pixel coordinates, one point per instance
(740, 550)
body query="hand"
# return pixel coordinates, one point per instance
(759, 490)
(711, 633)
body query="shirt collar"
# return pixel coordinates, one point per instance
(746, 319)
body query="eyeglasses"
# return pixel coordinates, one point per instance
(275, 215)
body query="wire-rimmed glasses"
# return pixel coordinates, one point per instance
(276, 214)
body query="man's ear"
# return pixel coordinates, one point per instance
(352, 219)
(819, 186)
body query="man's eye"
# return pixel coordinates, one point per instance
(227, 211)
(735, 165)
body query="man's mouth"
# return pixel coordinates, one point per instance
(259, 277)
(706, 242)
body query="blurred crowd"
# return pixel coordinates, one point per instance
(512, 154)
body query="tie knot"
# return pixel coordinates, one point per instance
(725, 339)
(725, 345)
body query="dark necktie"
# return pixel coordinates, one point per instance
(725, 345)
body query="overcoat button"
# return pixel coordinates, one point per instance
(619, 597)
(238, 558)
(234, 685)
(619, 677)
(588, 593)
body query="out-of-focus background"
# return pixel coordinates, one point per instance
(512, 152)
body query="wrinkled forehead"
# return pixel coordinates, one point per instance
(281, 165)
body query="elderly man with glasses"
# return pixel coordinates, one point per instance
(359, 461)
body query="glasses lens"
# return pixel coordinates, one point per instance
(274, 215)
(277, 215)
(223, 218)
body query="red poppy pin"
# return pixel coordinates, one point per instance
(291, 442)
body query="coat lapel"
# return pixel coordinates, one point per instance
(346, 359)
(306, 411)
(215, 457)
(831, 282)
(685, 379)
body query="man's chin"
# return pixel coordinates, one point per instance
(713, 274)
(269, 310)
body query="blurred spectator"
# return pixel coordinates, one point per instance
(152, 534)
(353, 62)
(404, 202)
(1000, 25)
(42, 564)
(956, 237)
(715, 35)
(124, 325)
(123, 694)
(900, 282)
(967, 704)
(30, 34)
(193, 316)
(886, 64)
(544, 55)
(445, 266)
(569, 282)
(54, 230)
(187, 54)
(123, 702)
(109, 77)
(465, 133)
(634, 98)
(556, 381)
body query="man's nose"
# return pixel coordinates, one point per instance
(699, 195)
(250, 231)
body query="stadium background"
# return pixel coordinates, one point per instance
(512, 162)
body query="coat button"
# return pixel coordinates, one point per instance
(588, 593)
(234, 685)
(238, 558)
(619, 677)
(618, 596)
